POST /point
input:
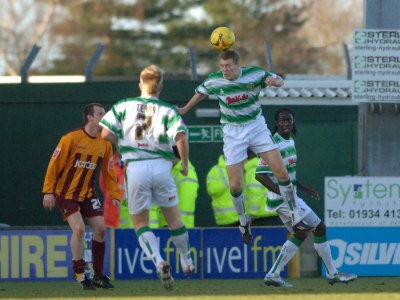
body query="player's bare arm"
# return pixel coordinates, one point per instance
(276, 81)
(312, 192)
(109, 136)
(268, 183)
(183, 148)
(192, 102)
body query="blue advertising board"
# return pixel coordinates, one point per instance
(225, 255)
(132, 263)
(365, 251)
(42, 255)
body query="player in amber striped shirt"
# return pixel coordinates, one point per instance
(70, 182)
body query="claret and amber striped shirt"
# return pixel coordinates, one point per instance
(72, 168)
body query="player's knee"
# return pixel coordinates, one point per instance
(79, 230)
(235, 187)
(99, 232)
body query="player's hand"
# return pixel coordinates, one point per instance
(184, 170)
(271, 81)
(182, 110)
(116, 202)
(313, 193)
(49, 201)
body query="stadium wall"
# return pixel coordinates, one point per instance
(35, 116)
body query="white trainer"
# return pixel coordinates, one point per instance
(341, 277)
(187, 266)
(273, 280)
(164, 273)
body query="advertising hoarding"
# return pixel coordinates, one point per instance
(41, 255)
(45, 255)
(366, 251)
(362, 201)
(362, 215)
(131, 262)
(225, 255)
(217, 252)
(376, 66)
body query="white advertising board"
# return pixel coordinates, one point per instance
(362, 201)
(376, 66)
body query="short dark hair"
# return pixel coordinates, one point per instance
(287, 111)
(88, 110)
(230, 54)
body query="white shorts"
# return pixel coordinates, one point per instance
(238, 138)
(305, 212)
(149, 182)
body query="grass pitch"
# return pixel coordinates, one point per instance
(370, 288)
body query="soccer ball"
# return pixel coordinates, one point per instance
(222, 38)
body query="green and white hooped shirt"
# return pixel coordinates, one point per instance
(145, 127)
(289, 156)
(238, 99)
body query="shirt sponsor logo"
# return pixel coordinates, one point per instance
(142, 145)
(56, 152)
(292, 161)
(85, 164)
(80, 147)
(237, 98)
(251, 86)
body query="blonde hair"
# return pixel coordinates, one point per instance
(151, 78)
